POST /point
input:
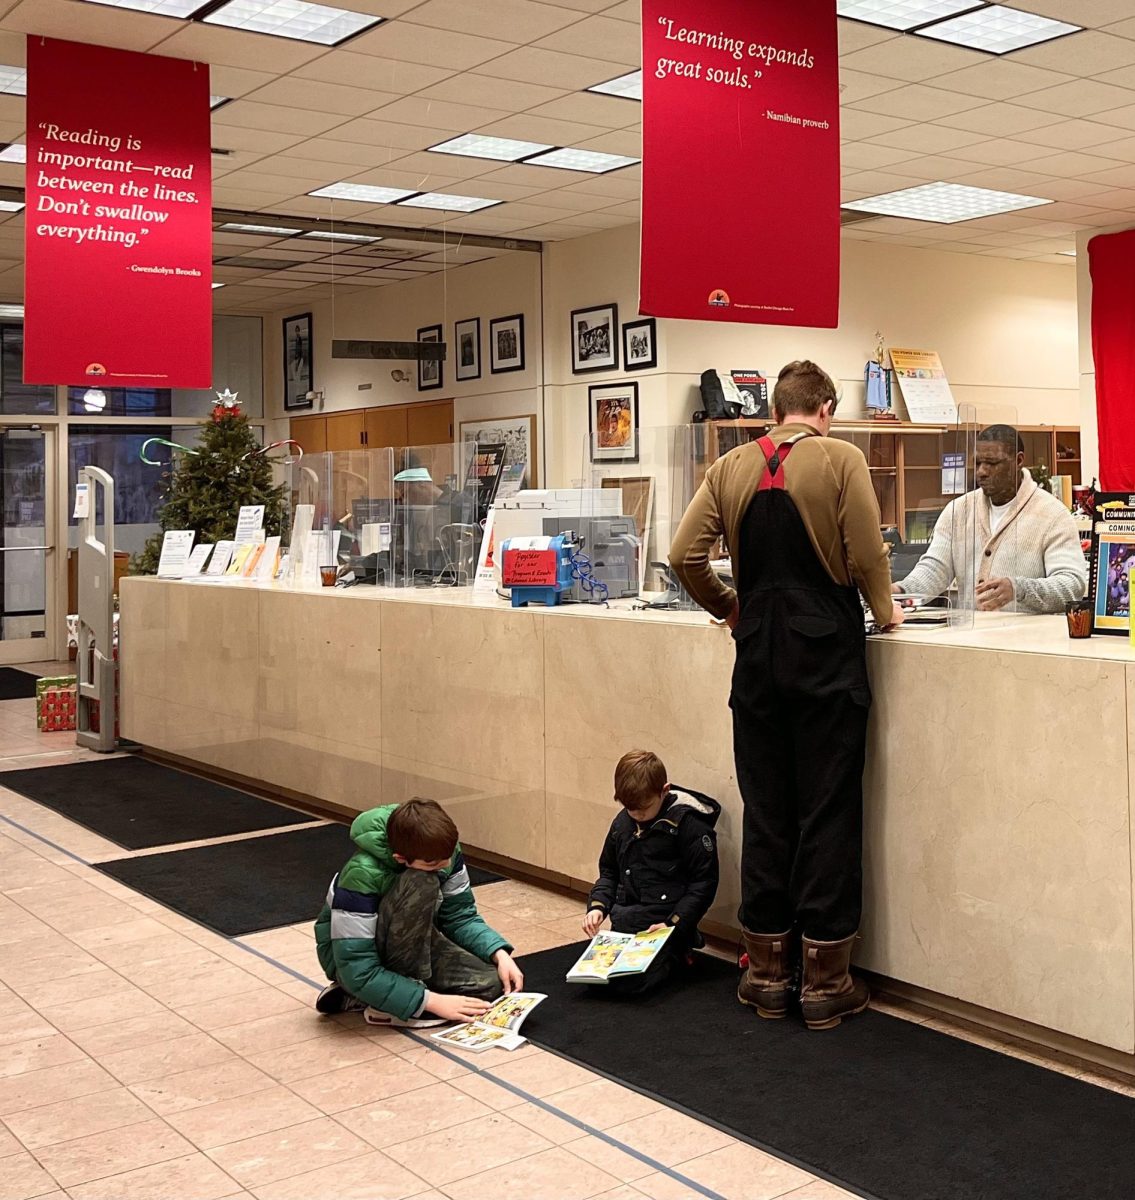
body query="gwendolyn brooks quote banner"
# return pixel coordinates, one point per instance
(118, 238)
(740, 172)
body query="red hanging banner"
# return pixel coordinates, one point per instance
(118, 237)
(1111, 260)
(740, 173)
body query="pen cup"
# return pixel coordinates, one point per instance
(329, 574)
(1079, 616)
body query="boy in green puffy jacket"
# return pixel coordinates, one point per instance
(399, 934)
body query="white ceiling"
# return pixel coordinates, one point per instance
(1055, 120)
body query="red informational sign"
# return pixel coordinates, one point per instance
(740, 173)
(529, 568)
(1111, 258)
(118, 261)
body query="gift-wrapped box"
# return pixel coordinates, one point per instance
(56, 703)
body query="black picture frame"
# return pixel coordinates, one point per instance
(633, 358)
(591, 348)
(605, 403)
(299, 361)
(431, 373)
(506, 344)
(467, 338)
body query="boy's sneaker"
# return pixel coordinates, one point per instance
(335, 999)
(373, 1016)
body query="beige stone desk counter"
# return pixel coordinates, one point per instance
(998, 866)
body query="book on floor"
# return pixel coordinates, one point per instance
(497, 1029)
(612, 955)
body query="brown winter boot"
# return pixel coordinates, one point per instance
(767, 984)
(828, 993)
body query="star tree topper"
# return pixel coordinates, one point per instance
(226, 405)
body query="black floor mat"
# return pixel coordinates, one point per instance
(880, 1105)
(479, 876)
(16, 685)
(253, 884)
(139, 804)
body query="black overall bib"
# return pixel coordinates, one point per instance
(800, 700)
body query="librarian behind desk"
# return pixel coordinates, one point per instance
(998, 814)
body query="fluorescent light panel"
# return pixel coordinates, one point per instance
(161, 8)
(627, 87)
(14, 81)
(582, 160)
(331, 236)
(363, 193)
(998, 30)
(476, 145)
(12, 312)
(217, 285)
(294, 19)
(11, 205)
(943, 203)
(215, 102)
(262, 230)
(448, 203)
(17, 152)
(901, 14)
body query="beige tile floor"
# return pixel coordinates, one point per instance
(145, 1058)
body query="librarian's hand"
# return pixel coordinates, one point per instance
(994, 593)
(592, 921)
(455, 1008)
(896, 589)
(512, 978)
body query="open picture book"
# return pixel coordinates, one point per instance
(497, 1029)
(611, 955)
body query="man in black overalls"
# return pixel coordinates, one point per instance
(799, 516)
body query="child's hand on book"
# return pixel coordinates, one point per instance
(655, 928)
(455, 1008)
(592, 921)
(512, 979)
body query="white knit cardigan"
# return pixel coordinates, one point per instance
(1036, 546)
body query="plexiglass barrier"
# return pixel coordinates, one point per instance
(441, 498)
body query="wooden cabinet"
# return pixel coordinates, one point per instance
(386, 426)
(346, 430)
(311, 433)
(428, 423)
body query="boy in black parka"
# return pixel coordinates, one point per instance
(658, 866)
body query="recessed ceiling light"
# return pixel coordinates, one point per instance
(17, 152)
(629, 87)
(582, 160)
(215, 102)
(11, 205)
(161, 8)
(998, 30)
(263, 230)
(14, 81)
(1069, 253)
(12, 312)
(440, 200)
(901, 14)
(217, 285)
(331, 236)
(293, 19)
(364, 193)
(476, 145)
(943, 203)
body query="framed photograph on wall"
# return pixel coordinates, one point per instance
(595, 339)
(516, 434)
(467, 339)
(298, 362)
(640, 345)
(506, 344)
(429, 373)
(612, 419)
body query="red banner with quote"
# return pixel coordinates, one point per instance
(118, 238)
(740, 172)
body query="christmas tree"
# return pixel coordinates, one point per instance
(203, 491)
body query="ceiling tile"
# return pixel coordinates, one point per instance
(996, 152)
(628, 10)
(1113, 177)
(238, 81)
(1123, 149)
(1087, 53)
(927, 139)
(1006, 179)
(533, 65)
(517, 21)
(322, 97)
(248, 114)
(434, 47)
(999, 119)
(1122, 118)
(865, 156)
(1070, 135)
(372, 73)
(508, 95)
(529, 128)
(1071, 164)
(573, 200)
(916, 60)
(1072, 189)
(857, 35)
(616, 186)
(618, 40)
(932, 167)
(525, 176)
(873, 183)
(1000, 79)
(856, 126)
(918, 103)
(437, 114)
(229, 47)
(89, 23)
(858, 85)
(617, 141)
(225, 196)
(392, 136)
(589, 108)
(1080, 98)
(456, 165)
(255, 141)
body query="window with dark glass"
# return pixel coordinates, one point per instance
(16, 397)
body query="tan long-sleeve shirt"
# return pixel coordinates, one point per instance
(830, 485)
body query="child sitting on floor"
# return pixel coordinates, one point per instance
(399, 934)
(658, 866)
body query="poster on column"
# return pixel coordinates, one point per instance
(740, 172)
(118, 225)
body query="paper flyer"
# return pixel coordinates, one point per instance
(925, 388)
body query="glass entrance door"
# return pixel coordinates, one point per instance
(27, 543)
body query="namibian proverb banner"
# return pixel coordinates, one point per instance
(740, 183)
(118, 225)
